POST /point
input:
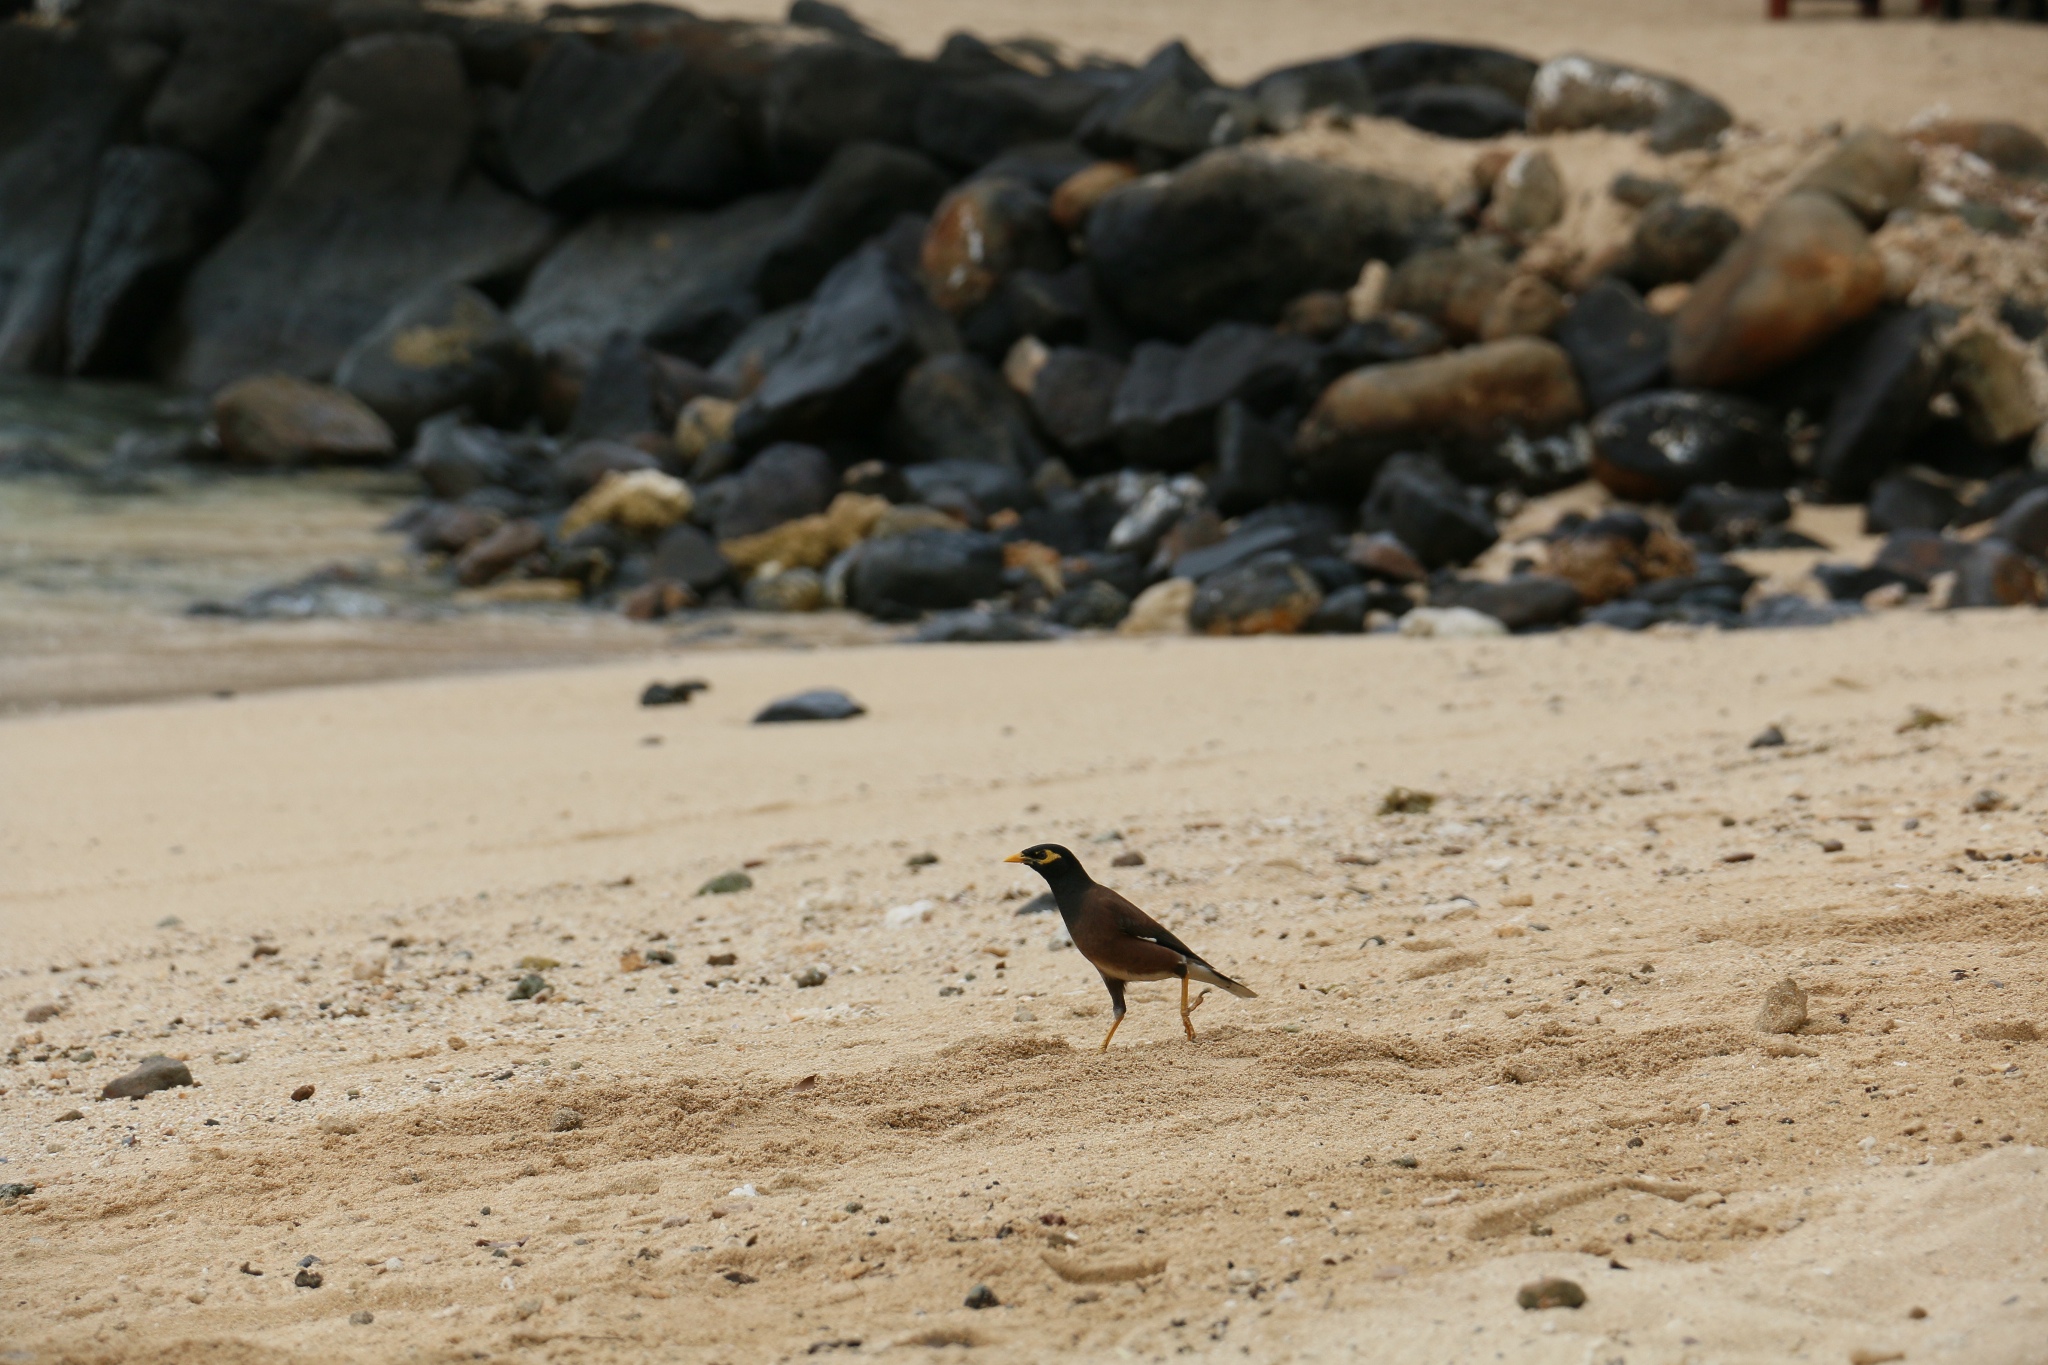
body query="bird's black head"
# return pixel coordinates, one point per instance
(1054, 862)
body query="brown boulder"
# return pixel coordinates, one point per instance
(1451, 287)
(980, 233)
(1870, 171)
(1804, 271)
(1472, 397)
(279, 419)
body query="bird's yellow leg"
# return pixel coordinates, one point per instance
(1114, 1025)
(1185, 1010)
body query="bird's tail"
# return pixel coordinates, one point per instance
(1203, 972)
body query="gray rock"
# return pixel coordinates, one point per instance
(955, 407)
(446, 348)
(817, 97)
(1991, 573)
(1416, 500)
(1269, 595)
(782, 483)
(1239, 233)
(1460, 111)
(2024, 524)
(980, 626)
(900, 577)
(825, 703)
(968, 120)
(1169, 110)
(1523, 602)
(1676, 242)
(861, 191)
(152, 1073)
(1073, 395)
(229, 65)
(685, 554)
(593, 127)
(1617, 345)
(1880, 405)
(59, 106)
(1902, 502)
(649, 273)
(366, 200)
(153, 212)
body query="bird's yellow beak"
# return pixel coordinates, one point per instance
(1016, 858)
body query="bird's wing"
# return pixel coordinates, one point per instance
(1135, 922)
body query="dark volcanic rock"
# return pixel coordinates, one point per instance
(1072, 397)
(153, 1073)
(1524, 602)
(954, 407)
(899, 577)
(986, 486)
(278, 419)
(1237, 234)
(2024, 524)
(1416, 500)
(578, 469)
(455, 458)
(686, 555)
(1170, 109)
(824, 703)
(1677, 242)
(1730, 516)
(1270, 595)
(1458, 401)
(1254, 461)
(1381, 338)
(595, 127)
(979, 235)
(980, 626)
(653, 274)
(1915, 557)
(969, 120)
(1901, 502)
(864, 188)
(1654, 446)
(1576, 91)
(1803, 272)
(1618, 346)
(1462, 111)
(1096, 605)
(153, 211)
(447, 348)
(1287, 96)
(1880, 405)
(1303, 531)
(780, 484)
(867, 326)
(59, 105)
(366, 199)
(1392, 67)
(820, 96)
(1165, 412)
(230, 66)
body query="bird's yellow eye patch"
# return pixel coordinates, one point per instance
(1049, 857)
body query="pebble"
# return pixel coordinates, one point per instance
(565, 1121)
(1771, 737)
(70, 1116)
(811, 976)
(303, 1093)
(824, 703)
(1130, 859)
(1551, 1293)
(982, 1297)
(672, 694)
(530, 985)
(338, 1126)
(362, 1317)
(38, 1014)
(726, 883)
(309, 1279)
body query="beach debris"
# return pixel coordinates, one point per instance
(154, 1072)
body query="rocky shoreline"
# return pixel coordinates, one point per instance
(669, 313)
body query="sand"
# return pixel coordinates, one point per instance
(1507, 1038)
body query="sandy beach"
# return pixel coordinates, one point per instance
(1510, 1037)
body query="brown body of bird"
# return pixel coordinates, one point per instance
(1120, 940)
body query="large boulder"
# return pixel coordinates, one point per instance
(59, 106)
(1457, 402)
(154, 210)
(1870, 171)
(448, 347)
(954, 407)
(1271, 594)
(1880, 406)
(654, 275)
(367, 198)
(455, 458)
(900, 577)
(821, 95)
(1676, 242)
(864, 188)
(1237, 234)
(282, 420)
(1802, 273)
(1617, 345)
(867, 326)
(968, 120)
(1073, 396)
(1654, 446)
(1577, 91)
(1170, 109)
(1165, 411)
(594, 127)
(228, 67)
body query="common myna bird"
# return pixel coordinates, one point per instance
(1122, 941)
